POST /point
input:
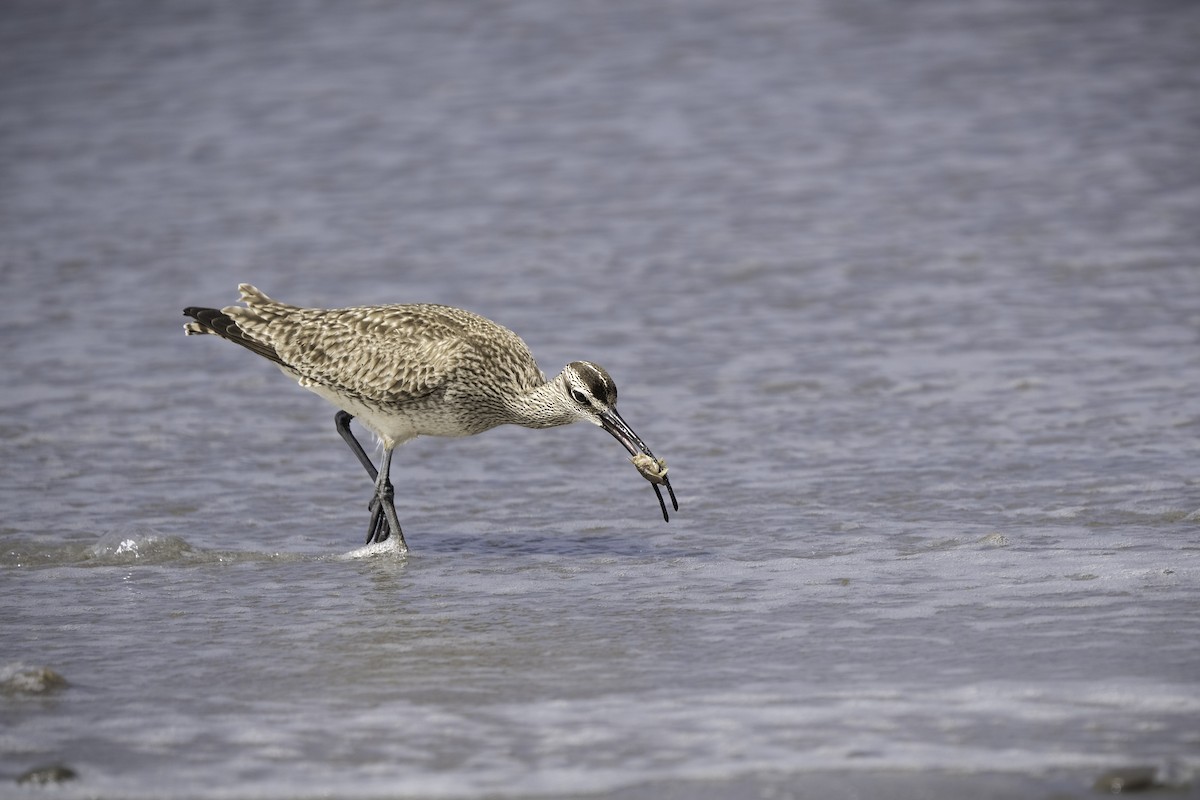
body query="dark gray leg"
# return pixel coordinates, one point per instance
(341, 421)
(383, 496)
(383, 512)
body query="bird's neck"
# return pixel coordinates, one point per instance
(543, 406)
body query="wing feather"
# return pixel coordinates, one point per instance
(387, 354)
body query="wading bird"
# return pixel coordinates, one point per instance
(421, 370)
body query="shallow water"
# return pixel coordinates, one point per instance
(907, 295)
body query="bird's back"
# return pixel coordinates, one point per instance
(449, 363)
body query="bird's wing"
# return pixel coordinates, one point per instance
(386, 354)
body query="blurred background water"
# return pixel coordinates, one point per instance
(908, 294)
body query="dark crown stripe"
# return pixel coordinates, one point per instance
(598, 382)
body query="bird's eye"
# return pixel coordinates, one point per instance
(579, 397)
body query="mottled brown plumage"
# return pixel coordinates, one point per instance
(413, 370)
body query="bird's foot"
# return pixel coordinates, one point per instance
(383, 517)
(378, 530)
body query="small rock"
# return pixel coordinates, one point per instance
(20, 679)
(1127, 779)
(47, 775)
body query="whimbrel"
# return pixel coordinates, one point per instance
(421, 370)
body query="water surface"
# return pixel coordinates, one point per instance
(907, 295)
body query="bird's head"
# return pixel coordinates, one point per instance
(590, 391)
(592, 396)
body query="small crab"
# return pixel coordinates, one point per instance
(655, 470)
(651, 468)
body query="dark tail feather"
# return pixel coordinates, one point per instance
(212, 320)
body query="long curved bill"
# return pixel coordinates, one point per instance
(612, 422)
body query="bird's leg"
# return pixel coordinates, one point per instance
(382, 523)
(341, 420)
(377, 530)
(383, 496)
